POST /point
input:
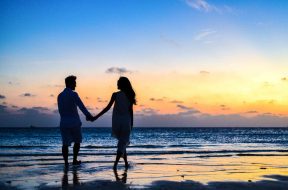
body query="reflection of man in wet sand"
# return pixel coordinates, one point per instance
(70, 124)
(122, 179)
(65, 178)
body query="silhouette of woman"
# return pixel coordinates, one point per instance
(122, 117)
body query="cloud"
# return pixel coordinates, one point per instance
(187, 110)
(204, 34)
(51, 95)
(148, 111)
(100, 100)
(26, 94)
(251, 112)
(204, 72)
(156, 99)
(204, 6)
(2, 96)
(176, 101)
(169, 41)
(183, 107)
(13, 83)
(118, 70)
(24, 117)
(284, 79)
(224, 107)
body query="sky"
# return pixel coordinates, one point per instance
(192, 63)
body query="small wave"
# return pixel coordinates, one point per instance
(24, 146)
(196, 153)
(132, 146)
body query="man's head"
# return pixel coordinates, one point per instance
(70, 82)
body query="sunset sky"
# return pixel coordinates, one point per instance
(198, 63)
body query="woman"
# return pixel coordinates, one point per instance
(122, 117)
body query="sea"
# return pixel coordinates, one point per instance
(27, 154)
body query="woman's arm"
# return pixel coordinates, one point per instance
(107, 107)
(131, 115)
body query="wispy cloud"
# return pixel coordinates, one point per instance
(118, 70)
(204, 6)
(169, 41)
(2, 96)
(204, 34)
(204, 72)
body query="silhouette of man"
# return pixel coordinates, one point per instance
(70, 123)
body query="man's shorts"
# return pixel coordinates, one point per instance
(71, 134)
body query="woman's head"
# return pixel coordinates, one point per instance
(125, 86)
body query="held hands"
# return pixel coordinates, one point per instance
(91, 118)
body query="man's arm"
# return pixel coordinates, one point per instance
(81, 106)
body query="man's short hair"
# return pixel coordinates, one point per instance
(70, 80)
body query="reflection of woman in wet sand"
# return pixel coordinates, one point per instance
(122, 118)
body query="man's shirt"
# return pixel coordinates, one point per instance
(68, 100)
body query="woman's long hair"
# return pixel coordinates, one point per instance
(125, 86)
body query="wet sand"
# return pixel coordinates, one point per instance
(150, 172)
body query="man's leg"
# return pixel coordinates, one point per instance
(76, 149)
(65, 152)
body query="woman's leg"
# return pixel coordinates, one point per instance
(118, 155)
(125, 159)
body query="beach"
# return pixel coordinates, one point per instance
(159, 162)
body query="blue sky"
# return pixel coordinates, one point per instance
(165, 46)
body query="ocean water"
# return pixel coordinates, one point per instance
(195, 142)
(32, 156)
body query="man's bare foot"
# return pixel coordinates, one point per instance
(77, 162)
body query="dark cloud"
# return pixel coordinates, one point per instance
(184, 107)
(13, 83)
(187, 110)
(284, 79)
(252, 111)
(39, 108)
(156, 99)
(26, 94)
(3, 108)
(87, 98)
(2, 96)
(100, 100)
(51, 95)
(24, 117)
(176, 102)
(224, 107)
(118, 70)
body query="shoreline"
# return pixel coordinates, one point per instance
(271, 182)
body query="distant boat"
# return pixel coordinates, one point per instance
(32, 126)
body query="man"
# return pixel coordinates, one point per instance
(70, 123)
